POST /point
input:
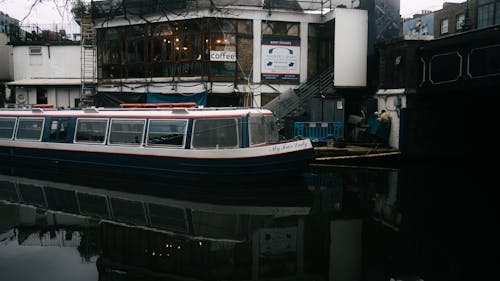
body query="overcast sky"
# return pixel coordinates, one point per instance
(410, 7)
(47, 13)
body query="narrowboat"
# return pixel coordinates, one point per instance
(174, 141)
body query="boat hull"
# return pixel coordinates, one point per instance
(279, 163)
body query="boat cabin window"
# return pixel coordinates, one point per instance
(257, 129)
(59, 129)
(167, 132)
(215, 133)
(262, 129)
(7, 126)
(29, 128)
(126, 131)
(272, 134)
(91, 130)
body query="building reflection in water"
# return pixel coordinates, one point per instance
(148, 237)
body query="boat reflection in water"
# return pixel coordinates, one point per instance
(147, 236)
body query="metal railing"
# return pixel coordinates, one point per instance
(291, 102)
(321, 131)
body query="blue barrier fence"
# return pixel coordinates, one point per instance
(319, 130)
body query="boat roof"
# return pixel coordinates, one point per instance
(180, 112)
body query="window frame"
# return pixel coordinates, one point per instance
(13, 133)
(272, 134)
(20, 119)
(250, 129)
(110, 130)
(35, 51)
(148, 131)
(238, 133)
(486, 13)
(442, 26)
(78, 120)
(459, 23)
(64, 123)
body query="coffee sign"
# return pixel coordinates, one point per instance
(222, 56)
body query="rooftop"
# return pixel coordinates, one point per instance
(34, 34)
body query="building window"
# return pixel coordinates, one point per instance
(223, 36)
(460, 21)
(110, 46)
(160, 57)
(191, 48)
(485, 13)
(35, 51)
(497, 12)
(277, 28)
(444, 26)
(35, 55)
(41, 96)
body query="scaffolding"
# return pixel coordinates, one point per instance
(88, 61)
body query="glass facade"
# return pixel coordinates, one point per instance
(488, 13)
(172, 49)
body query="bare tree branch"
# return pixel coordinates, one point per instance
(30, 10)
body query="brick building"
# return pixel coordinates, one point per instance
(451, 18)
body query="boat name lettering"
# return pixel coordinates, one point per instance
(288, 146)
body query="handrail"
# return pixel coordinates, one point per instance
(319, 130)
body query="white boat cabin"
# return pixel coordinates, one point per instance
(174, 128)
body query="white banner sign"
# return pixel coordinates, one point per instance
(280, 59)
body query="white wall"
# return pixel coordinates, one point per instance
(63, 96)
(57, 96)
(350, 47)
(55, 62)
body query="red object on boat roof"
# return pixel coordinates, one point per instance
(158, 105)
(42, 105)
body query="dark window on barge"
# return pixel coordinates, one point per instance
(7, 126)
(167, 132)
(216, 133)
(127, 131)
(91, 130)
(59, 130)
(30, 128)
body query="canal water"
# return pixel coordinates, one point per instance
(415, 222)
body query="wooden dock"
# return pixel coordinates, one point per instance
(355, 155)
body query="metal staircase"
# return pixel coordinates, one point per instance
(292, 103)
(88, 61)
